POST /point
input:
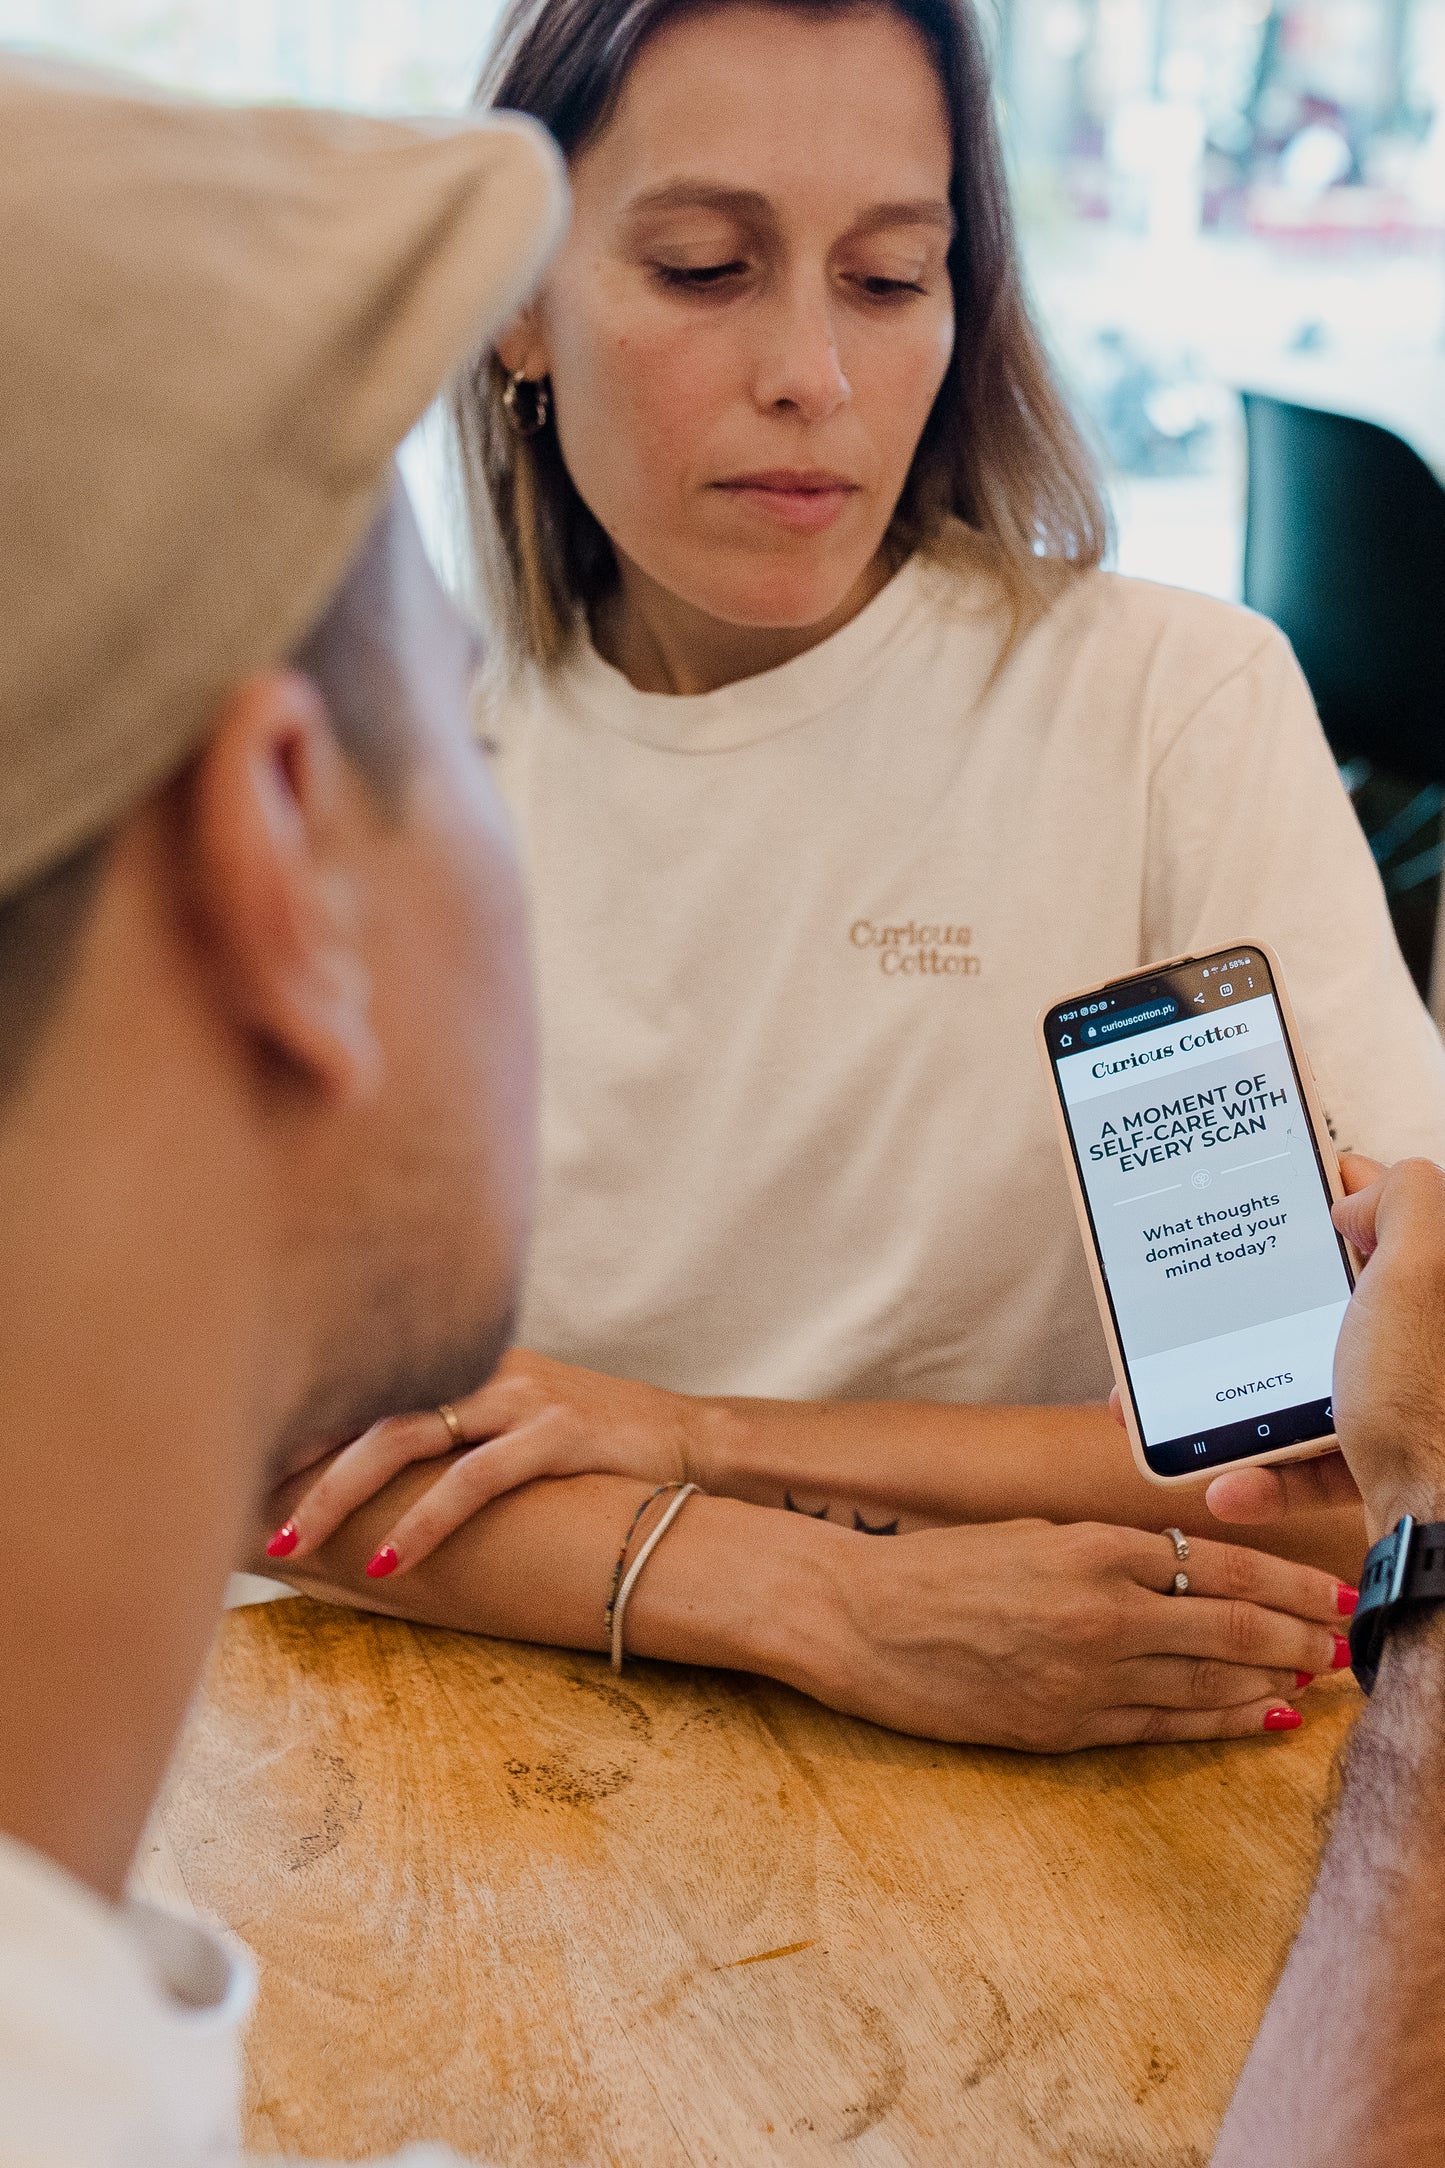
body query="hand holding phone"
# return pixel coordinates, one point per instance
(1203, 1178)
(1389, 1366)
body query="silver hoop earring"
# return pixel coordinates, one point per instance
(529, 420)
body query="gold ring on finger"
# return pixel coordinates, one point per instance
(450, 1417)
(1181, 1556)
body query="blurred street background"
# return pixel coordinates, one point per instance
(1213, 190)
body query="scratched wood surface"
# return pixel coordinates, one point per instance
(502, 1899)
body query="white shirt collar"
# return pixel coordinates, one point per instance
(120, 2027)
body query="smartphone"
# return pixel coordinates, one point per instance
(1203, 1175)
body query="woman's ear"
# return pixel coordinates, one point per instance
(522, 347)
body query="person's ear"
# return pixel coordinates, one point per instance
(273, 818)
(522, 346)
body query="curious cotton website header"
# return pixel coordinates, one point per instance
(1174, 1049)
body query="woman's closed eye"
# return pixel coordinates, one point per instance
(700, 278)
(891, 274)
(880, 288)
(874, 286)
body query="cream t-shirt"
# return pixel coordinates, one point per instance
(792, 937)
(120, 2031)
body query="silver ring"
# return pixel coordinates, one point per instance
(1181, 1552)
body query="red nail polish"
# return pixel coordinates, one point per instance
(383, 1563)
(1303, 1679)
(283, 1543)
(1345, 1600)
(1282, 1720)
(1342, 1653)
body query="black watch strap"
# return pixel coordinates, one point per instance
(1403, 1569)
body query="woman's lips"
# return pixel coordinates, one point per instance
(798, 498)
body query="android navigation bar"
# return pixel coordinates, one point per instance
(1239, 1441)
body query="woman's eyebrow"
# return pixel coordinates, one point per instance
(752, 207)
(921, 211)
(742, 203)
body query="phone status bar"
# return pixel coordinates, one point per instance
(1198, 987)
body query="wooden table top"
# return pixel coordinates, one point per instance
(502, 1899)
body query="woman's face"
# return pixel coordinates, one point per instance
(751, 316)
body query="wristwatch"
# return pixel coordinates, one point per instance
(1403, 1569)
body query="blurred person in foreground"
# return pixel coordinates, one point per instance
(266, 1068)
(1349, 2065)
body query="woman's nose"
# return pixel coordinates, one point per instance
(800, 367)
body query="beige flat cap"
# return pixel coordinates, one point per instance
(218, 324)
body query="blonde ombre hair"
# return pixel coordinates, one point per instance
(1000, 453)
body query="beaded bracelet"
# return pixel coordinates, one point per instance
(619, 1608)
(622, 1554)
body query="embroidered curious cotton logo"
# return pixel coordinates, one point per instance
(917, 951)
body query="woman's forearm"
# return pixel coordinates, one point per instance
(912, 1464)
(730, 1585)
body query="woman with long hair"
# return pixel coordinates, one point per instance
(834, 755)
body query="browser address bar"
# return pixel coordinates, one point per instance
(1161, 1011)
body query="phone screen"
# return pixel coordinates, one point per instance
(1209, 1205)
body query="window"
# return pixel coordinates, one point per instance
(377, 53)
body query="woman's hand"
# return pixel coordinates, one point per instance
(534, 1418)
(1051, 1638)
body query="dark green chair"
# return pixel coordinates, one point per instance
(1345, 550)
